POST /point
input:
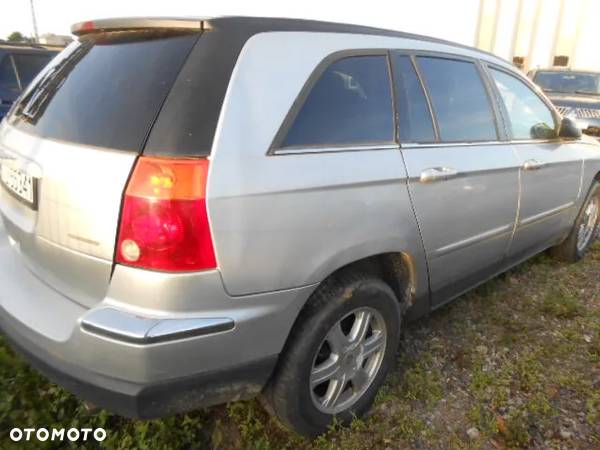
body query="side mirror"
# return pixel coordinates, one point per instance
(569, 129)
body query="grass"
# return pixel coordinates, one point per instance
(517, 359)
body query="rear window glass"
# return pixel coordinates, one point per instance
(106, 89)
(414, 116)
(351, 103)
(460, 102)
(29, 65)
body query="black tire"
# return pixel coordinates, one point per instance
(288, 394)
(569, 250)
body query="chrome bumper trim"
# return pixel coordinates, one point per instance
(128, 327)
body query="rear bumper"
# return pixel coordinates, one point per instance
(146, 401)
(157, 344)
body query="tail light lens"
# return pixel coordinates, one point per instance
(164, 222)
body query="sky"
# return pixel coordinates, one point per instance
(429, 17)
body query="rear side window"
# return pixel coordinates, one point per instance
(460, 102)
(8, 79)
(351, 103)
(105, 90)
(29, 65)
(528, 115)
(414, 116)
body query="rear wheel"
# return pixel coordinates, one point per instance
(338, 354)
(585, 230)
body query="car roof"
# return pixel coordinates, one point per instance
(266, 24)
(244, 27)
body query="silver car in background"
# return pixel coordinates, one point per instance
(204, 210)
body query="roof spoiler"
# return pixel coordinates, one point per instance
(140, 23)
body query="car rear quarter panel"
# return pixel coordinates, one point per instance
(283, 221)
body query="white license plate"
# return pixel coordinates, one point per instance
(19, 184)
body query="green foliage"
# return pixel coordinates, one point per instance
(17, 36)
(561, 304)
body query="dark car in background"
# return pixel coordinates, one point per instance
(19, 64)
(575, 93)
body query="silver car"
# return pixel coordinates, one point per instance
(204, 210)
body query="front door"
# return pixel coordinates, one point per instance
(550, 172)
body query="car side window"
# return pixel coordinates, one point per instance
(351, 103)
(414, 116)
(8, 78)
(459, 100)
(528, 115)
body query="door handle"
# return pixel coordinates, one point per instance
(438, 174)
(533, 164)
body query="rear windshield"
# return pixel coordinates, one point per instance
(105, 90)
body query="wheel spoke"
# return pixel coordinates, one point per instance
(325, 371)
(336, 388)
(337, 339)
(360, 327)
(338, 379)
(374, 344)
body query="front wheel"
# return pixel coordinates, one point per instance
(338, 354)
(585, 230)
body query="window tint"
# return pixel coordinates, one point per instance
(459, 100)
(528, 116)
(106, 89)
(351, 103)
(414, 117)
(28, 66)
(8, 80)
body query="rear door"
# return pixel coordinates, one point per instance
(463, 179)
(69, 146)
(550, 168)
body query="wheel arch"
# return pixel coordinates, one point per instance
(399, 270)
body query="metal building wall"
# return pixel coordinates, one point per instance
(539, 30)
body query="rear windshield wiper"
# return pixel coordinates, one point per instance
(587, 93)
(34, 103)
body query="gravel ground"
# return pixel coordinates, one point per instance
(514, 364)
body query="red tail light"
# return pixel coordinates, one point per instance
(164, 223)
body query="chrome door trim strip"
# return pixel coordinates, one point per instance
(336, 149)
(410, 145)
(490, 234)
(546, 214)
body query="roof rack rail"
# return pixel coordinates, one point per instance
(138, 23)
